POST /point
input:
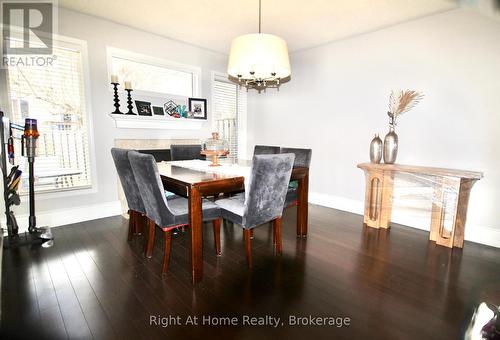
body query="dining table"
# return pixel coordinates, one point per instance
(196, 179)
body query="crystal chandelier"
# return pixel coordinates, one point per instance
(259, 60)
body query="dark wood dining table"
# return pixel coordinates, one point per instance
(195, 184)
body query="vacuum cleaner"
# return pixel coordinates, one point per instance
(35, 235)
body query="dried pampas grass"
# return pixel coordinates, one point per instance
(401, 102)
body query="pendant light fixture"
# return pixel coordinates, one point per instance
(259, 60)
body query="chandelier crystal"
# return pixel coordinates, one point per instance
(259, 60)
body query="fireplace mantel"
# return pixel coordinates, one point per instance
(123, 121)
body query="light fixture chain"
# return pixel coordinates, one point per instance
(260, 16)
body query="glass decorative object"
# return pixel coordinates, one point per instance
(214, 148)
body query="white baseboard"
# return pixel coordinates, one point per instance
(58, 217)
(474, 233)
(337, 202)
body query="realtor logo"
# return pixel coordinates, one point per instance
(27, 27)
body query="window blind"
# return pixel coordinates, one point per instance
(54, 95)
(229, 103)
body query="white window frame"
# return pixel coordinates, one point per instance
(146, 59)
(82, 47)
(242, 118)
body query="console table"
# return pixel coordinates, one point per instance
(450, 200)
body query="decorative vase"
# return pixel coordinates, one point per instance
(215, 147)
(376, 149)
(390, 146)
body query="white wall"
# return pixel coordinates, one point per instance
(99, 34)
(337, 99)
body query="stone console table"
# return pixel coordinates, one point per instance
(450, 199)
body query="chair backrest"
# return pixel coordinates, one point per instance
(267, 188)
(127, 179)
(302, 156)
(160, 155)
(150, 186)
(185, 152)
(266, 150)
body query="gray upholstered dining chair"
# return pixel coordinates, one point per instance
(132, 195)
(265, 150)
(166, 214)
(302, 159)
(185, 152)
(302, 156)
(264, 200)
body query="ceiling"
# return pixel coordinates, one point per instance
(212, 24)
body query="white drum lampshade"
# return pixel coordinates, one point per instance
(259, 57)
(258, 60)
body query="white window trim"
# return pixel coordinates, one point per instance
(80, 45)
(242, 119)
(138, 57)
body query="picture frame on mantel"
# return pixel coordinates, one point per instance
(158, 111)
(143, 108)
(198, 108)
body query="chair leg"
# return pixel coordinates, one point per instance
(248, 246)
(216, 225)
(277, 235)
(138, 222)
(166, 254)
(150, 238)
(130, 224)
(141, 224)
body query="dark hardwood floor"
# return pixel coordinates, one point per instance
(392, 285)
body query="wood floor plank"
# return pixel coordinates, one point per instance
(393, 284)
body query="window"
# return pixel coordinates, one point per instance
(55, 96)
(154, 76)
(229, 113)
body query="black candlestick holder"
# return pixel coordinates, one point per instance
(116, 100)
(129, 102)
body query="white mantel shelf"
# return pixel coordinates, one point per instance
(123, 121)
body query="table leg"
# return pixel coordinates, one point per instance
(302, 206)
(461, 217)
(449, 211)
(378, 199)
(195, 221)
(437, 209)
